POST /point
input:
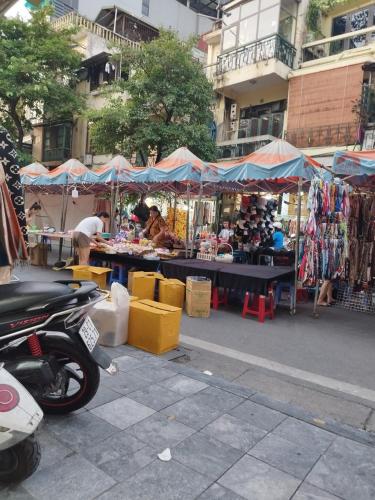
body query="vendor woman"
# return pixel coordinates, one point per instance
(156, 227)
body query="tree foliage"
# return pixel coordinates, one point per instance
(164, 104)
(38, 68)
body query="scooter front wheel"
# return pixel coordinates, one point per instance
(79, 377)
(20, 461)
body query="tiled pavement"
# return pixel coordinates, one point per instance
(227, 442)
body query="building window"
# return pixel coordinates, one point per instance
(146, 7)
(57, 142)
(351, 22)
(258, 19)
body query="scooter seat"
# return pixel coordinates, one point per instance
(22, 295)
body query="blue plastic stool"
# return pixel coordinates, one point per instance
(118, 274)
(279, 290)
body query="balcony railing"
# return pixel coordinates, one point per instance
(74, 19)
(341, 134)
(57, 154)
(273, 47)
(336, 44)
(251, 128)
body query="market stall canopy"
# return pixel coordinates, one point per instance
(118, 169)
(180, 166)
(355, 163)
(31, 172)
(277, 161)
(70, 172)
(34, 169)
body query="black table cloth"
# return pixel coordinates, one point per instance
(129, 261)
(182, 268)
(251, 278)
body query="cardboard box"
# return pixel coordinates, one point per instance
(154, 327)
(142, 284)
(172, 292)
(91, 273)
(38, 254)
(198, 297)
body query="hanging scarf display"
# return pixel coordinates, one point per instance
(361, 231)
(9, 162)
(325, 249)
(11, 237)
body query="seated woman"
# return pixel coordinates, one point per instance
(156, 227)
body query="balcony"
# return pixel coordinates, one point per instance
(342, 134)
(273, 47)
(75, 20)
(331, 47)
(271, 125)
(56, 154)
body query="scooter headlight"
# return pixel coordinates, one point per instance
(9, 398)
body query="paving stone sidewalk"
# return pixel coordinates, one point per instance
(227, 442)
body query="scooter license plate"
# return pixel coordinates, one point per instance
(89, 334)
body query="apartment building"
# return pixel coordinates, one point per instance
(274, 79)
(331, 101)
(54, 143)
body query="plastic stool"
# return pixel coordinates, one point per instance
(260, 306)
(217, 300)
(279, 290)
(118, 274)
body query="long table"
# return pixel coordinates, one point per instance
(246, 277)
(126, 260)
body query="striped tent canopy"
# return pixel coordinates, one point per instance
(119, 168)
(278, 161)
(354, 163)
(70, 172)
(180, 166)
(34, 169)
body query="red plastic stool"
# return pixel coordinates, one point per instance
(302, 295)
(217, 300)
(260, 306)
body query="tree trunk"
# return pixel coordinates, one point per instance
(18, 124)
(143, 158)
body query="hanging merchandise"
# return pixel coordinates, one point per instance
(178, 221)
(254, 227)
(361, 232)
(325, 247)
(9, 161)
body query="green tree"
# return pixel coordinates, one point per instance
(38, 68)
(164, 104)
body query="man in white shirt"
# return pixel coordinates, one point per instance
(88, 230)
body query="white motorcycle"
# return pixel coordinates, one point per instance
(19, 418)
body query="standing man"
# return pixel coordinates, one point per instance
(87, 231)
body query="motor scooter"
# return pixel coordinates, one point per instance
(19, 418)
(49, 343)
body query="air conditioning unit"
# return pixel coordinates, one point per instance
(233, 111)
(87, 160)
(369, 140)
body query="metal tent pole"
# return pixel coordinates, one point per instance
(296, 258)
(187, 222)
(197, 218)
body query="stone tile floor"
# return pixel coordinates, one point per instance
(227, 442)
